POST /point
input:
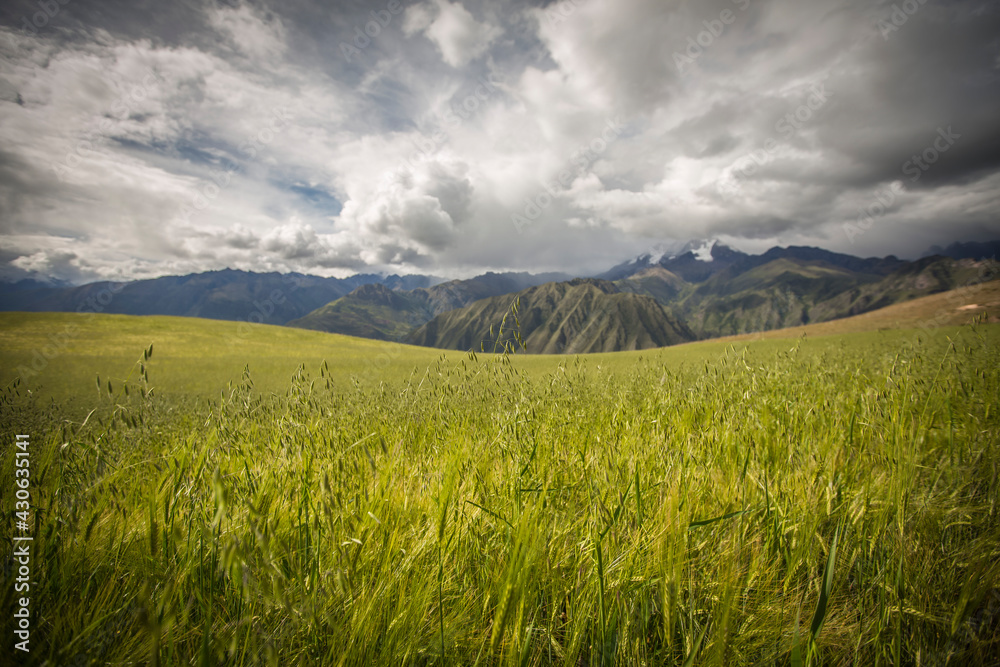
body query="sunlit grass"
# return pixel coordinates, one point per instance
(668, 507)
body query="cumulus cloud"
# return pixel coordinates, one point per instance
(256, 35)
(455, 32)
(61, 265)
(411, 209)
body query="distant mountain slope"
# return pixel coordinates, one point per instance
(656, 282)
(458, 293)
(879, 266)
(776, 294)
(373, 311)
(707, 259)
(370, 311)
(952, 308)
(719, 291)
(706, 290)
(786, 292)
(973, 250)
(579, 316)
(784, 287)
(929, 275)
(220, 295)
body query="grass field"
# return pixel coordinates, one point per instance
(786, 501)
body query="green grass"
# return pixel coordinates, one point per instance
(810, 501)
(193, 357)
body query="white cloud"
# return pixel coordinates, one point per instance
(398, 203)
(454, 31)
(63, 265)
(252, 34)
(116, 139)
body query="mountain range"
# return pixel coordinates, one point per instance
(275, 298)
(376, 311)
(705, 290)
(574, 317)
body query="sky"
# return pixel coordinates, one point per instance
(147, 138)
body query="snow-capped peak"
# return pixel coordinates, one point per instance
(656, 253)
(704, 252)
(701, 249)
(656, 256)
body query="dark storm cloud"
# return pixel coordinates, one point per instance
(923, 76)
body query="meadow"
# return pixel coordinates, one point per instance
(293, 497)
